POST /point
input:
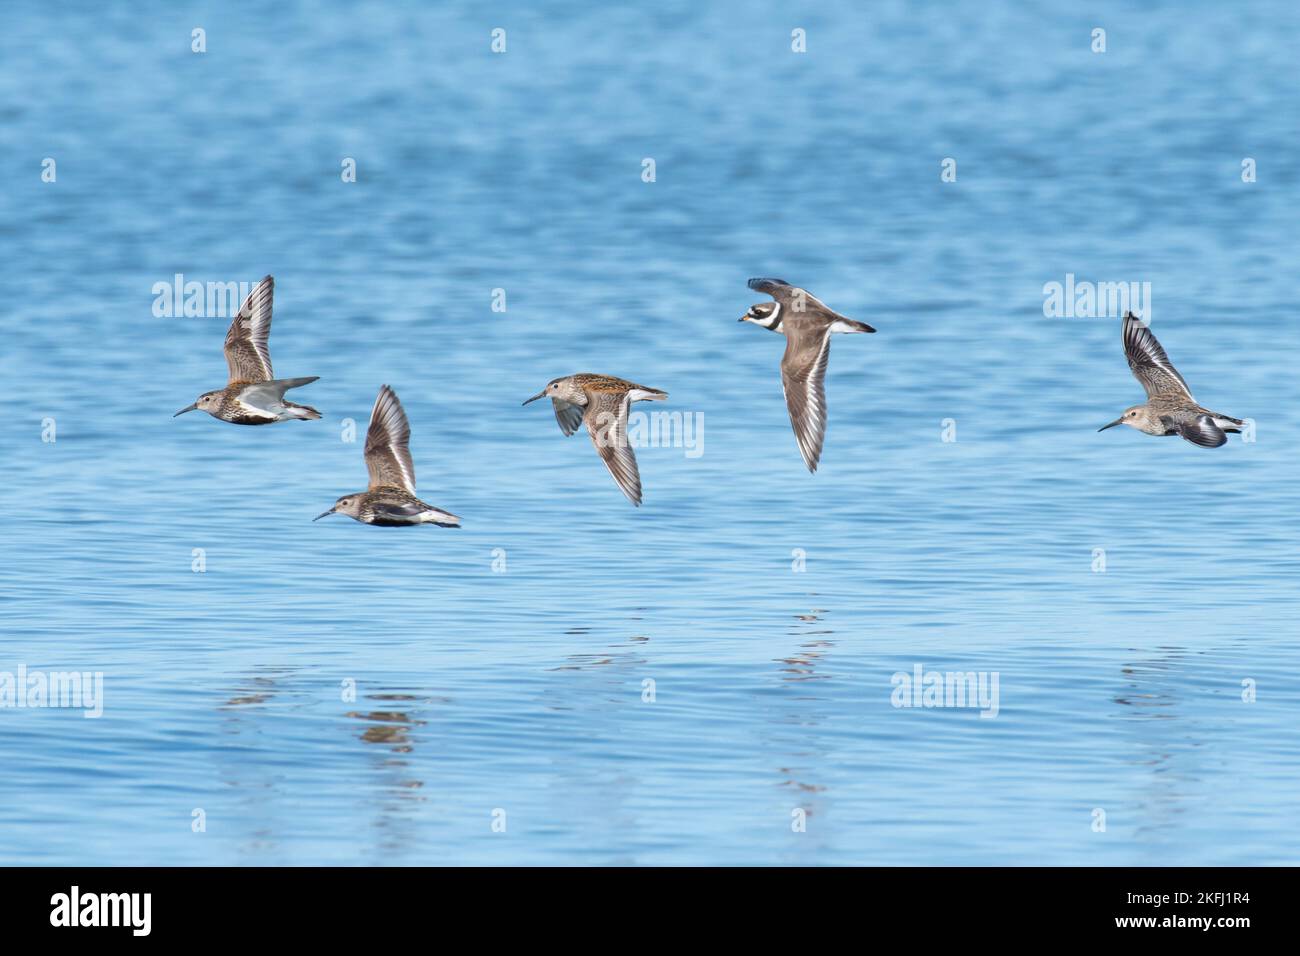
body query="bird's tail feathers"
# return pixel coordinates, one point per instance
(443, 519)
(853, 325)
(305, 412)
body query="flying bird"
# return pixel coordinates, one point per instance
(602, 401)
(807, 324)
(1169, 408)
(390, 501)
(253, 396)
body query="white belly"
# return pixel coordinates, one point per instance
(256, 412)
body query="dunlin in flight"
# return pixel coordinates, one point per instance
(1170, 408)
(807, 324)
(390, 500)
(602, 401)
(253, 396)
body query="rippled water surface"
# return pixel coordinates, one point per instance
(501, 670)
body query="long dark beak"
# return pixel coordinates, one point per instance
(319, 516)
(541, 394)
(187, 408)
(1118, 421)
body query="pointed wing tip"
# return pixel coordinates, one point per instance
(759, 283)
(630, 485)
(388, 397)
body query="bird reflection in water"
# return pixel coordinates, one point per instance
(388, 727)
(1165, 737)
(258, 688)
(390, 720)
(802, 664)
(245, 712)
(797, 668)
(614, 654)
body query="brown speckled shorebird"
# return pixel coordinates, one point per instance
(1170, 408)
(807, 324)
(602, 401)
(390, 501)
(252, 396)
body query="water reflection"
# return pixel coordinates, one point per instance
(803, 770)
(801, 665)
(252, 771)
(614, 654)
(259, 687)
(391, 721)
(1150, 684)
(390, 727)
(1153, 712)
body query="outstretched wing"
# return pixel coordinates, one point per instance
(1150, 365)
(388, 459)
(791, 297)
(246, 351)
(770, 286)
(1200, 430)
(803, 377)
(569, 416)
(606, 418)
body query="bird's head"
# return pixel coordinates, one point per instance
(1134, 416)
(208, 402)
(766, 314)
(349, 505)
(563, 390)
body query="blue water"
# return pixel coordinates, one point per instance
(516, 695)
